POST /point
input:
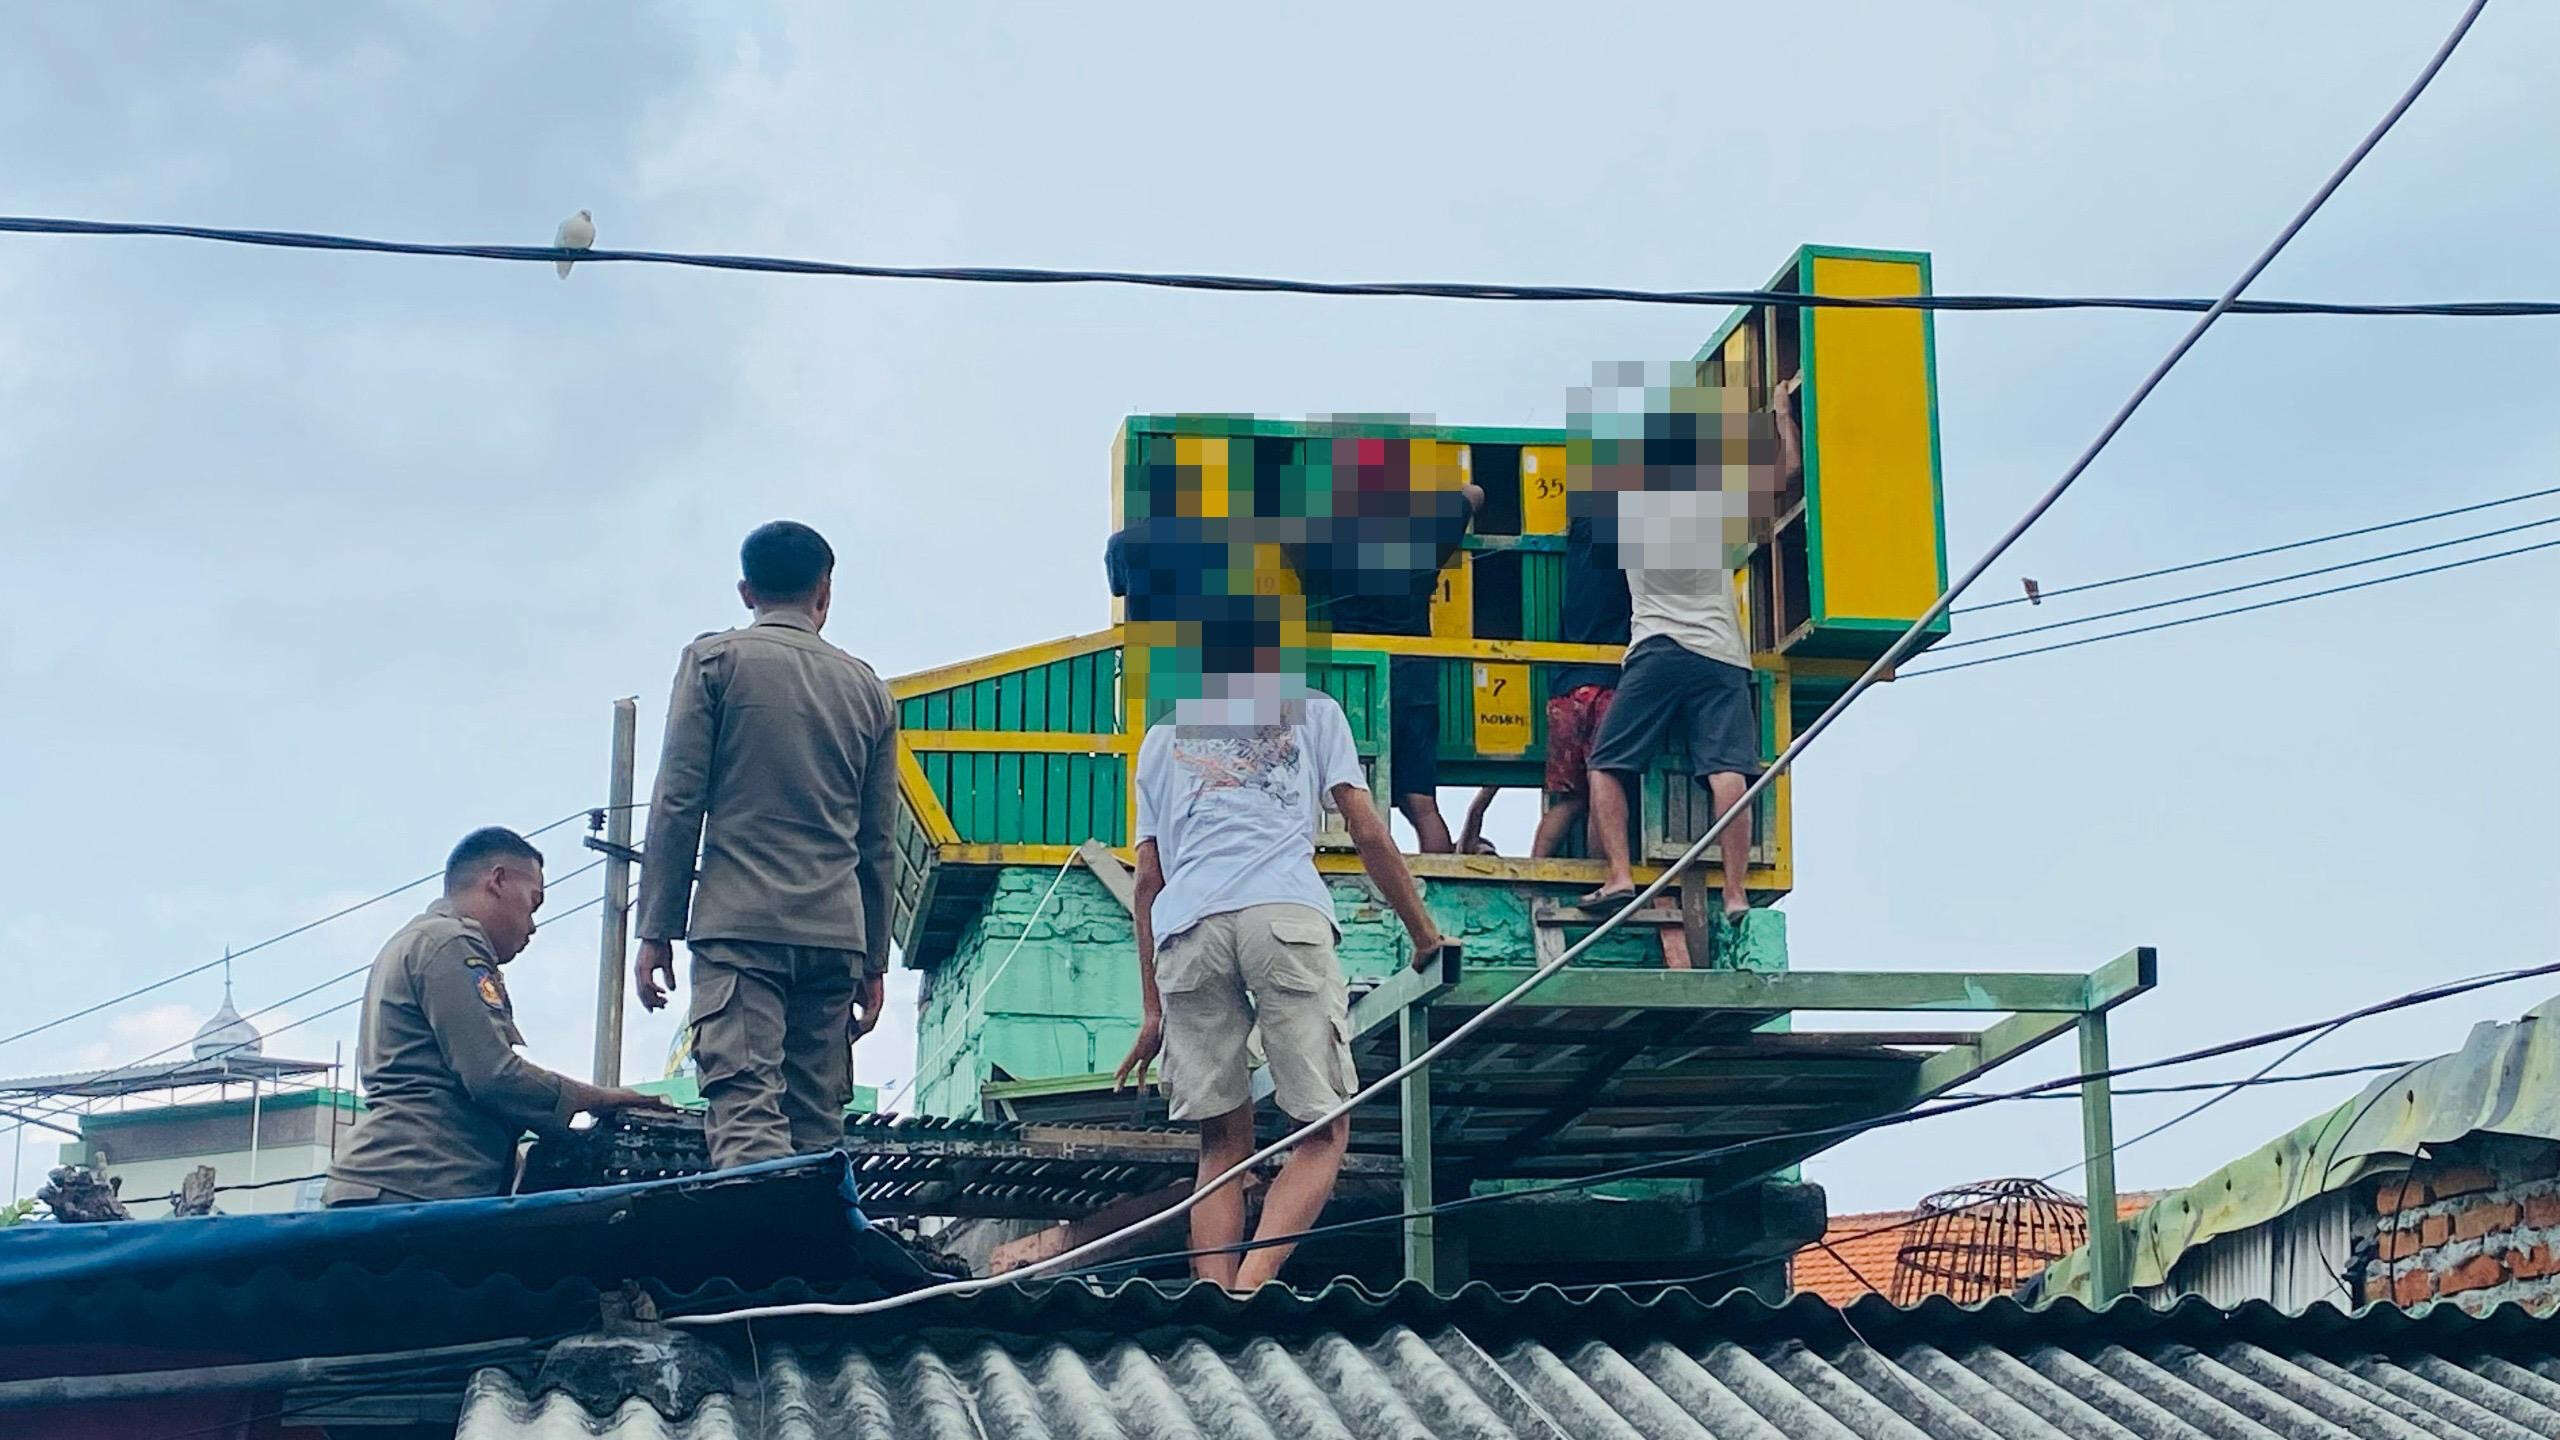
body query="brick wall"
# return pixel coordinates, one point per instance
(2476, 1223)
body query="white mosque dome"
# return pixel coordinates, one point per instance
(226, 1035)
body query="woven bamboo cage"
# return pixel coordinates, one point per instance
(1976, 1241)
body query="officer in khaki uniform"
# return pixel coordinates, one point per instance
(446, 1095)
(780, 770)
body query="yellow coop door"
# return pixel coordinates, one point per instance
(1502, 709)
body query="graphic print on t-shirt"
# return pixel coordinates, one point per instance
(1266, 762)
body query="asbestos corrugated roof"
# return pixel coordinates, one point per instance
(1344, 1363)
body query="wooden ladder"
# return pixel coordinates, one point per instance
(1682, 932)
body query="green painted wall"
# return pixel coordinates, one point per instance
(1066, 1003)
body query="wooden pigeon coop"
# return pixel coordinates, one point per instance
(1019, 803)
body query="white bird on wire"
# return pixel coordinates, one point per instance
(578, 232)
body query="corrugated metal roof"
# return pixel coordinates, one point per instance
(1144, 1363)
(456, 1271)
(2505, 1080)
(170, 1075)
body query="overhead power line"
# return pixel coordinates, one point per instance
(2255, 1078)
(2055, 593)
(2233, 610)
(194, 970)
(1265, 284)
(1804, 739)
(135, 1067)
(2246, 586)
(2296, 1078)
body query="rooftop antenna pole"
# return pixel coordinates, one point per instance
(615, 925)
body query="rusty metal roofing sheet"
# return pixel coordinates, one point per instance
(1147, 1363)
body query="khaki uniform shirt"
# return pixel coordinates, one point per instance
(780, 768)
(446, 1095)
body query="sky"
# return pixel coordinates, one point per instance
(311, 562)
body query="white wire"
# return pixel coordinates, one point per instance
(1883, 663)
(960, 1027)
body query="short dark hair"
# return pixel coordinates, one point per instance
(784, 560)
(481, 849)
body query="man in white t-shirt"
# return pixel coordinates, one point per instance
(1686, 514)
(1236, 928)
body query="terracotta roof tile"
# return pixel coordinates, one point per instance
(1858, 1252)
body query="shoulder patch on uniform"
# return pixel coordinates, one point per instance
(493, 990)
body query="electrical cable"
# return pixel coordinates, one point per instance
(2201, 1106)
(2467, 984)
(1743, 806)
(2056, 594)
(2092, 619)
(960, 1028)
(261, 945)
(294, 1024)
(227, 1189)
(415, 1366)
(2375, 1068)
(341, 976)
(2314, 1028)
(2234, 610)
(261, 1038)
(2329, 1167)
(1259, 284)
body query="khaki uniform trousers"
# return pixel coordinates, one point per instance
(771, 1029)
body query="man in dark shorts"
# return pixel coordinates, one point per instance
(1682, 524)
(1579, 696)
(1368, 569)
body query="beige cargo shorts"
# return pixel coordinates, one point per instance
(1270, 967)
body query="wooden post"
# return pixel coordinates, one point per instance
(1421, 1248)
(2098, 1142)
(1697, 937)
(615, 924)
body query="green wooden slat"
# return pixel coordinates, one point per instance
(911, 714)
(1079, 795)
(964, 709)
(1062, 711)
(1115, 815)
(1061, 782)
(982, 796)
(1457, 706)
(937, 773)
(1008, 800)
(985, 694)
(1035, 802)
(1009, 703)
(1035, 768)
(1541, 596)
(937, 711)
(1035, 699)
